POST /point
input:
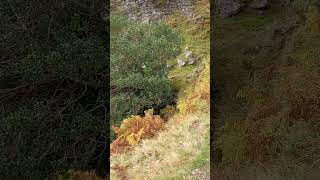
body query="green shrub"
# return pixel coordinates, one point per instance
(134, 87)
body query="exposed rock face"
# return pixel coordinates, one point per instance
(259, 4)
(149, 10)
(228, 8)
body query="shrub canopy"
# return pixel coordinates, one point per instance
(138, 66)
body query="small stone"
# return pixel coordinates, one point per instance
(140, 2)
(181, 63)
(197, 18)
(189, 56)
(190, 61)
(189, 77)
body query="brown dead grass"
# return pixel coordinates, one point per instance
(134, 129)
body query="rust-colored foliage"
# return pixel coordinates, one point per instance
(159, 3)
(199, 93)
(172, 22)
(269, 108)
(135, 128)
(306, 110)
(257, 146)
(243, 141)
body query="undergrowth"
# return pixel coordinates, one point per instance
(278, 83)
(134, 129)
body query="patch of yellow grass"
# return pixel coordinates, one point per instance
(197, 96)
(167, 155)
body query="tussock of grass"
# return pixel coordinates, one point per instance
(197, 96)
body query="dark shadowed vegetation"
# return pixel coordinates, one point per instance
(53, 87)
(267, 74)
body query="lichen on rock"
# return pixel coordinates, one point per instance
(150, 10)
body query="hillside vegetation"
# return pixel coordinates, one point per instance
(53, 88)
(267, 76)
(181, 148)
(138, 66)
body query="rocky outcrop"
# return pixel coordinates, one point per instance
(226, 8)
(258, 4)
(149, 10)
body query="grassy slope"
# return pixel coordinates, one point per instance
(184, 147)
(251, 43)
(233, 36)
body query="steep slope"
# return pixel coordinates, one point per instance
(269, 105)
(182, 150)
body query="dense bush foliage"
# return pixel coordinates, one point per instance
(138, 66)
(53, 81)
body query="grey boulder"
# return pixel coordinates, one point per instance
(228, 8)
(259, 4)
